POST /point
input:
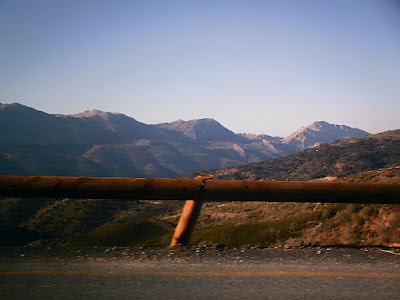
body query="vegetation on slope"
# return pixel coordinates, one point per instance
(13, 213)
(336, 159)
(64, 221)
(236, 224)
(134, 233)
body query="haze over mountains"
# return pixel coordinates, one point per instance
(96, 143)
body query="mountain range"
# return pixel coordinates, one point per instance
(96, 143)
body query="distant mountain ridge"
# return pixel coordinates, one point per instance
(25, 126)
(96, 143)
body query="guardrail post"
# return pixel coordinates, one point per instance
(187, 221)
(189, 216)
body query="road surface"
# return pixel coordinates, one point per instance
(199, 273)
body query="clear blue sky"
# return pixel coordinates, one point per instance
(255, 66)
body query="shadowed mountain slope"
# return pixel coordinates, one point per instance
(22, 125)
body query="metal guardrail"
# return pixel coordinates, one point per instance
(196, 191)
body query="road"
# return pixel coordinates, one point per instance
(199, 273)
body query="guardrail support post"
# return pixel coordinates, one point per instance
(190, 214)
(187, 221)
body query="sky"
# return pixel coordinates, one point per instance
(254, 66)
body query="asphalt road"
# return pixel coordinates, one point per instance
(199, 273)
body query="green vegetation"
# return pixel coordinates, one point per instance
(67, 219)
(91, 222)
(136, 233)
(340, 224)
(254, 234)
(266, 233)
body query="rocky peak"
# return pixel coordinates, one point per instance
(321, 132)
(201, 129)
(95, 113)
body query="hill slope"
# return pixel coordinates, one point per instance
(127, 223)
(336, 159)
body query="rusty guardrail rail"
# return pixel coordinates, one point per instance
(196, 191)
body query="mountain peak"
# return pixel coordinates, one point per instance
(201, 129)
(324, 126)
(195, 121)
(15, 106)
(319, 124)
(322, 132)
(94, 113)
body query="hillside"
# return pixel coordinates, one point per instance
(237, 224)
(335, 159)
(385, 175)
